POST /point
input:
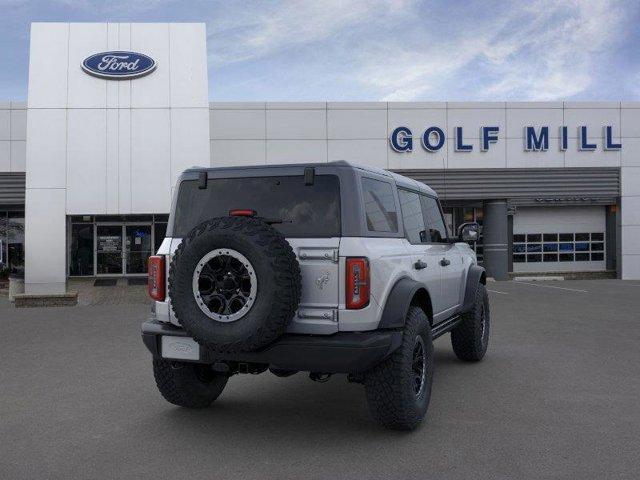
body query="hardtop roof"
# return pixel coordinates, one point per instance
(400, 180)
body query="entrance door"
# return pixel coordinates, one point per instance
(138, 248)
(109, 250)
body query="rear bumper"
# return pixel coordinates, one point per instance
(342, 352)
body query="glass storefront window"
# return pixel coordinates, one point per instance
(81, 254)
(15, 241)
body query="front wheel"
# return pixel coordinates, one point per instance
(470, 338)
(189, 385)
(399, 388)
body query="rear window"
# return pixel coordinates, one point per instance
(305, 210)
(379, 206)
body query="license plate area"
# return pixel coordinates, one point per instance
(179, 348)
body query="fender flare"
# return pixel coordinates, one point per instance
(398, 303)
(475, 276)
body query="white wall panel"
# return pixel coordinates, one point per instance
(472, 119)
(124, 161)
(111, 161)
(631, 241)
(150, 160)
(226, 153)
(188, 56)
(495, 157)
(86, 91)
(630, 267)
(189, 140)
(630, 120)
(48, 62)
(630, 153)
(418, 158)
(357, 124)
(365, 152)
(45, 241)
(296, 151)
(418, 120)
(598, 158)
(5, 124)
(630, 181)
(47, 148)
(18, 156)
(5, 156)
(630, 211)
(86, 161)
(152, 91)
(238, 124)
(18, 124)
(296, 124)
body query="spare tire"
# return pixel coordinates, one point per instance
(234, 283)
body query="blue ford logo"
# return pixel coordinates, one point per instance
(118, 65)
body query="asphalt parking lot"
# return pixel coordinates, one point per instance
(558, 396)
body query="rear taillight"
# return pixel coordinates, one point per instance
(156, 283)
(357, 282)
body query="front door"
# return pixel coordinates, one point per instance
(138, 248)
(109, 250)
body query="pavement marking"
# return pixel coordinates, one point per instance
(496, 291)
(551, 286)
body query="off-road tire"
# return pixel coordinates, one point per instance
(188, 385)
(470, 338)
(278, 282)
(389, 386)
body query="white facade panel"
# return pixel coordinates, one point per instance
(188, 56)
(47, 148)
(45, 241)
(597, 158)
(86, 161)
(227, 153)
(150, 160)
(85, 91)
(494, 157)
(111, 161)
(630, 121)
(630, 211)
(18, 124)
(417, 120)
(189, 140)
(296, 151)
(630, 182)
(356, 124)
(366, 152)
(18, 156)
(296, 124)
(124, 86)
(5, 124)
(471, 119)
(631, 239)
(48, 62)
(5, 156)
(238, 124)
(124, 161)
(630, 269)
(630, 154)
(153, 90)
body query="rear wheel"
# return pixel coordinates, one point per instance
(470, 339)
(189, 385)
(398, 389)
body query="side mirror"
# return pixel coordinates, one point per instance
(469, 232)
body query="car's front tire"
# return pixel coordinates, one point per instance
(399, 388)
(189, 385)
(470, 338)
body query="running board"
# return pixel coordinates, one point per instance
(446, 326)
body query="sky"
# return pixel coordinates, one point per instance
(377, 50)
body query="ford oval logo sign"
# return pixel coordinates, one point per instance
(118, 65)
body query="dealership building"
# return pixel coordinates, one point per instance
(116, 111)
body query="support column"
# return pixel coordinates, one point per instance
(496, 239)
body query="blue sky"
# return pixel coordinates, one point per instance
(363, 50)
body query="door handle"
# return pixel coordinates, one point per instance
(444, 262)
(419, 265)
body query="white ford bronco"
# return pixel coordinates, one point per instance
(323, 268)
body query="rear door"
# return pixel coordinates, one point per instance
(425, 255)
(446, 253)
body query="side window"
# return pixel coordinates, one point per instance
(412, 218)
(437, 232)
(379, 206)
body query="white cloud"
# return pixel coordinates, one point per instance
(548, 50)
